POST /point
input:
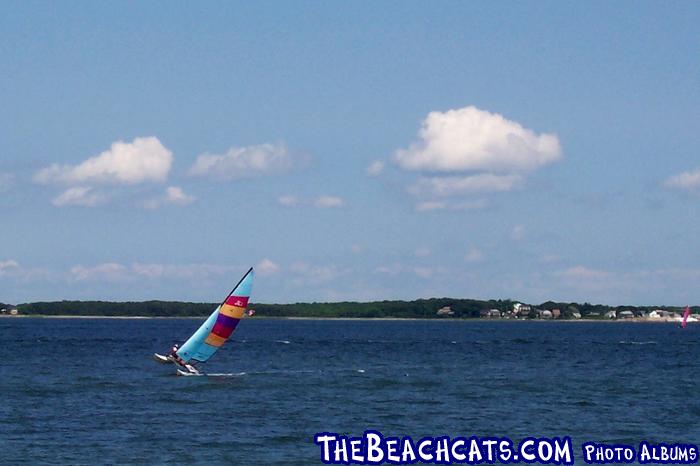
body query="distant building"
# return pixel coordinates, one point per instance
(576, 315)
(611, 315)
(13, 312)
(494, 313)
(519, 308)
(556, 313)
(626, 315)
(544, 314)
(445, 311)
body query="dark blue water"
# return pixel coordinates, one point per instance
(86, 391)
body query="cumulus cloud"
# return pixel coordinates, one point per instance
(178, 271)
(473, 139)
(689, 181)
(109, 271)
(7, 266)
(306, 273)
(321, 202)
(244, 162)
(113, 271)
(328, 202)
(427, 206)
(468, 151)
(78, 196)
(375, 168)
(580, 272)
(173, 195)
(267, 267)
(459, 185)
(142, 160)
(288, 201)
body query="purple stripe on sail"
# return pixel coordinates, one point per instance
(227, 321)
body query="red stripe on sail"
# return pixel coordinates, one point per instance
(238, 301)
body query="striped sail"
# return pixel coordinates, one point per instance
(219, 325)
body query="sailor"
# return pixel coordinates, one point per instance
(174, 356)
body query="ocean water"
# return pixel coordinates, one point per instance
(86, 391)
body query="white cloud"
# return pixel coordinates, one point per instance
(313, 274)
(375, 168)
(389, 269)
(328, 202)
(288, 201)
(112, 271)
(175, 271)
(8, 266)
(244, 162)
(460, 185)
(453, 206)
(173, 195)
(109, 271)
(473, 139)
(142, 160)
(321, 202)
(497, 154)
(267, 267)
(581, 273)
(689, 181)
(78, 196)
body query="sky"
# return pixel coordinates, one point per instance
(355, 151)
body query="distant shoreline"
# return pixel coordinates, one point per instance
(608, 321)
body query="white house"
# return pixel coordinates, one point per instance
(519, 308)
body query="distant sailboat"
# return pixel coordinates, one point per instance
(214, 332)
(686, 314)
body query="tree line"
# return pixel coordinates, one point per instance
(420, 308)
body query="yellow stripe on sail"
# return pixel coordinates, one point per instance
(232, 311)
(215, 340)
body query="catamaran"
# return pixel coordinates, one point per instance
(214, 332)
(686, 314)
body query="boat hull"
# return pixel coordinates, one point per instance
(162, 359)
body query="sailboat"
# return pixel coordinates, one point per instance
(686, 314)
(214, 332)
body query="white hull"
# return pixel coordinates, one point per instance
(162, 359)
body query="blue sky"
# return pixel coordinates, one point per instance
(350, 151)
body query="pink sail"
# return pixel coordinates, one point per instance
(686, 313)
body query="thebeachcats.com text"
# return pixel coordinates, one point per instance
(374, 448)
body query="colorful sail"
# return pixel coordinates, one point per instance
(686, 313)
(219, 326)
